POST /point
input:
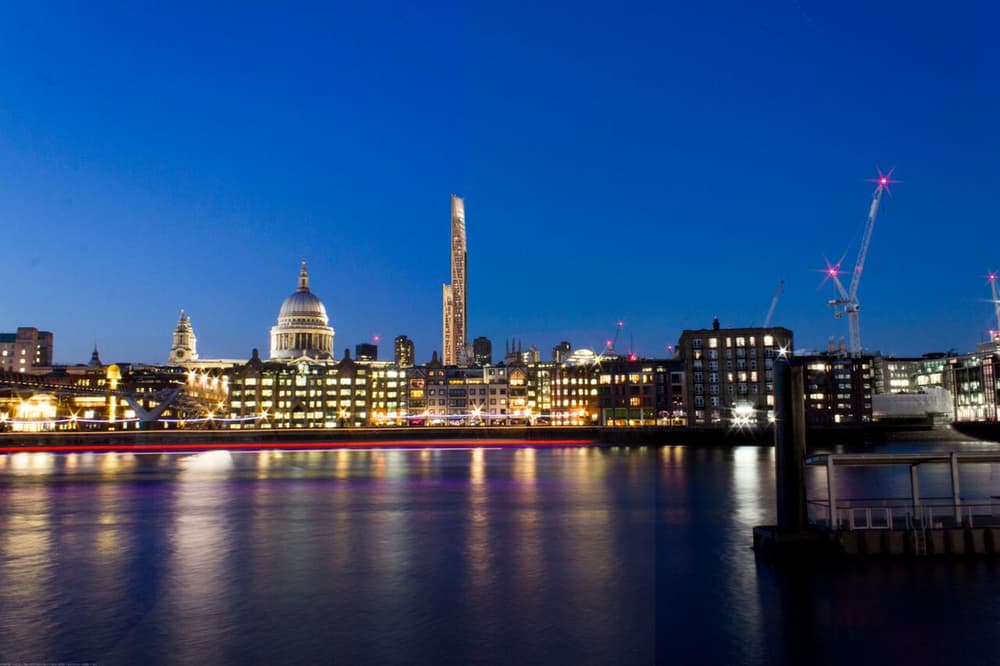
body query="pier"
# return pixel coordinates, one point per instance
(875, 525)
(916, 525)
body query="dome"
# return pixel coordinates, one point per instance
(582, 357)
(303, 304)
(303, 328)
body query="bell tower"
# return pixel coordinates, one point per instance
(185, 345)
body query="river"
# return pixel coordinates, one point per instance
(487, 556)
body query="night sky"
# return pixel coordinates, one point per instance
(659, 164)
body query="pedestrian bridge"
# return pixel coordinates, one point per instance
(148, 393)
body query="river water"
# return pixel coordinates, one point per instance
(483, 556)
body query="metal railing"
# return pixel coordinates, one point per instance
(895, 513)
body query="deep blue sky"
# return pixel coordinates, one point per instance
(659, 164)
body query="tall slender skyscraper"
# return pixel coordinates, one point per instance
(453, 325)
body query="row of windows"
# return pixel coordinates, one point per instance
(741, 341)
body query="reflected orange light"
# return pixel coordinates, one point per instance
(478, 467)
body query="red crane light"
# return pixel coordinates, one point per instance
(884, 180)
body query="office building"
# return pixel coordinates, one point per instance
(973, 382)
(640, 392)
(404, 351)
(482, 351)
(838, 388)
(366, 351)
(306, 394)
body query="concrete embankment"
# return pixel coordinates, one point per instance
(986, 431)
(307, 438)
(420, 436)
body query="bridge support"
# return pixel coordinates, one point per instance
(147, 416)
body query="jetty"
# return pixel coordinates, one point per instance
(876, 525)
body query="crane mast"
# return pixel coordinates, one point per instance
(609, 345)
(848, 301)
(996, 305)
(774, 303)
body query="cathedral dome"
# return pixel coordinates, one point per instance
(303, 328)
(303, 304)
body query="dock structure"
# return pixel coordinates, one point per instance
(917, 525)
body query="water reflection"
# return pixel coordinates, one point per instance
(751, 467)
(26, 572)
(475, 556)
(479, 553)
(197, 571)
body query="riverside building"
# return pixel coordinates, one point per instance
(641, 392)
(305, 394)
(973, 381)
(574, 389)
(25, 349)
(730, 373)
(838, 388)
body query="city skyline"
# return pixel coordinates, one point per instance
(658, 166)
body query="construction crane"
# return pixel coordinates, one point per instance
(992, 277)
(609, 345)
(848, 301)
(774, 303)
